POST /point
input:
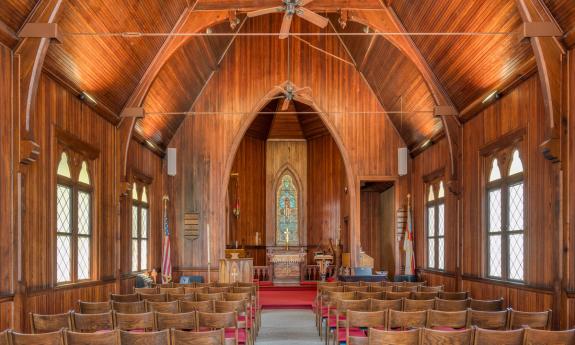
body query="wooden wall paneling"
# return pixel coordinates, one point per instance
(371, 226)
(6, 314)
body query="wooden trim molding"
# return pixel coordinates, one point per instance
(434, 175)
(503, 142)
(68, 139)
(507, 284)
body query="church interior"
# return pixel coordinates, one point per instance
(287, 172)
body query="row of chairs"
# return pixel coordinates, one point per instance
(214, 284)
(165, 294)
(115, 337)
(366, 283)
(473, 336)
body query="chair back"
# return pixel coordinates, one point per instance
(87, 323)
(537, 320)
(94, 307)
(148, 291)
(157, 297)
(210, 296)
(380, 337)
(182, 321)
(198, 338)
(384, 304)
(365, 319)
(190, 290)
(454, 295)
(225, 285)
(50, 323)
(241, 289)
(406, 319)
(406, 288)
(451, 319)
(355, 288)
(490, 337)
(238, 296)
(231, 306)
(370, 295)
(181, 297)
(129, 307)
(424, 295)
(145, 338)
(124, 298)
(217, 320)
(102, 338)
(451, 304)
(438, 288)
(381, 288)
(397, 295)
(172, 290)
(414, 283)
(343, 305)
(163, 307)
(492, 320)
(418, 304)
(132, 322)
(433, 337)
(220, 289)
(486, 305)
(203, 306)
(52, 338)
(332, 296)
(541, 337)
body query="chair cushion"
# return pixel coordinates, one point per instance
(231, 333)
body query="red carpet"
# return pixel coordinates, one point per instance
(287, 297)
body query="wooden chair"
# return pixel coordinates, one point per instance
(381, 288)
(490, 337)
(406, 288)
(370, 295)
(87, 323)
(220, 289)
(438, 288)
(203, 284)
(491, 320)
(453, 295)
(245, 321)
(226, 321)
(148, 291)
(340, 312)
(52, 338)
(328, 303)
(157, 297)
(451, 305)
(135, 322)
(537, 320)
(148, 338)
(181, 297)
(357, 321)
(434, 337)
(224, 285)
(4, 338)
(50, 323)
(210, 296)
(486, 305)
(381, 337)
(163, 307)
(380, 305)
(172, 290)
(418, 304)
(94, 307)
(190, 290)
(181, 321)
(203, 306)
(397, 295)
(355, 288)
(129, 307)
(102, 338)
(447, 320)
(216, 337)
(541, 337)
(424, 295)
(423, 283)
(124, 298)
(406, 319)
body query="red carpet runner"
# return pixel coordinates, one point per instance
(287, 297)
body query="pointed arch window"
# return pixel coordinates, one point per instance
(435, 225)
(140, 226)
(74, 218)
(287, 211)
(505, 218)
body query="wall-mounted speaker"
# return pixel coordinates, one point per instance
(402, 161)
(172, 165)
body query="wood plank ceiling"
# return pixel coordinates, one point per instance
(110, 68)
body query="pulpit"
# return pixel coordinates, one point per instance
(236, 270)
(287, 267)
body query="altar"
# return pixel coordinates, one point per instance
(287, 266)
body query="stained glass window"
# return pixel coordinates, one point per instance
(140, 228)
(436, 226)
(505, 217)
(287, 211)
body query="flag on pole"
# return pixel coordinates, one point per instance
(408, 242)
(166, 262)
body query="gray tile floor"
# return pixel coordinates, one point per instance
(288, 327)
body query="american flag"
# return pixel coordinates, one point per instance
(166, 262)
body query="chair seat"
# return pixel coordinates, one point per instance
(353, 332)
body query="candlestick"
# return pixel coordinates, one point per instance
(287, 239)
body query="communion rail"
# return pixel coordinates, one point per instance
(311, 273)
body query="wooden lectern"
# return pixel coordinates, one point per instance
(236, 270)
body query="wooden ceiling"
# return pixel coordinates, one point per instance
(110, 68)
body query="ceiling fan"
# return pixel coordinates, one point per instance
(291, 7)
(289, 93)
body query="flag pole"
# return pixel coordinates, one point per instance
(165, 276)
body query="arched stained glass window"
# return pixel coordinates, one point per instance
(436, 226)
(140, 227)
(287, 211)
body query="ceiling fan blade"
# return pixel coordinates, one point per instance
(285, 104)
(265, 11)
(304, 2)
(286, 25)
(312, 17)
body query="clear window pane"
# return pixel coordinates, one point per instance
(431, 253)
(134, 255)
(495, 172)
(84, 213)
(440, 253)
(494, 199)
(134, 192)
(63, 166)
(83, 257)
(134, 221)
(63, 259)
(84, 176)
(516, 207)
(144, 195)
(431, 221)
(144, 220)
(516, 164)
(144, 254)
(441, 192)
(516, 257)
(440, 219)
(431, 194)
(495, 255)
(63, 209)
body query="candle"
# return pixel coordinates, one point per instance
(208, 234)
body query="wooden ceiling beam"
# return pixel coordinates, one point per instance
(7, 36)
(317, 5)
(550, 57)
